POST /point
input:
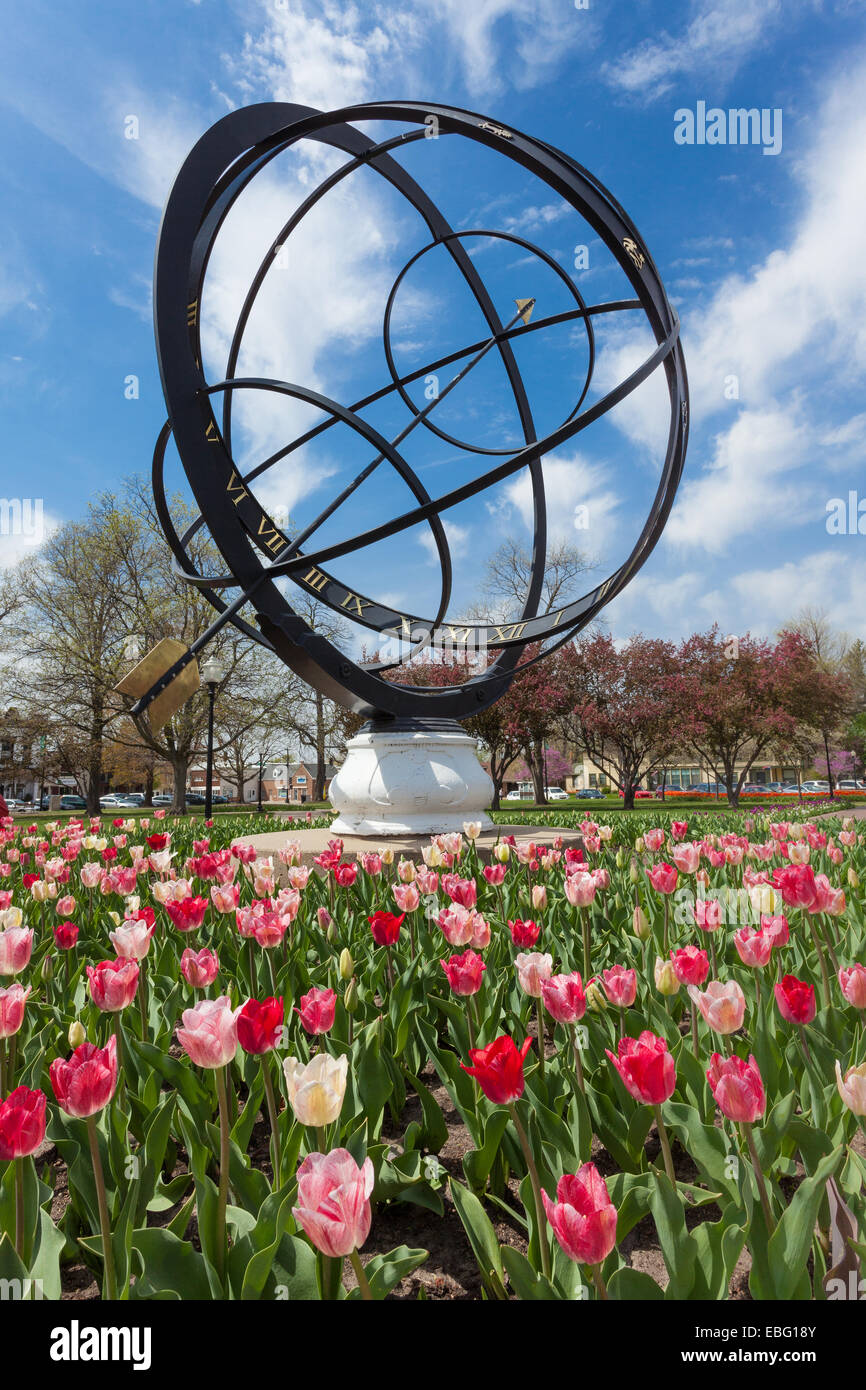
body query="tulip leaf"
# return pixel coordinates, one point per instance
(478, 1162)
(482, 1237)
(789, 1245)
(633, 1285)
(169, 1264)
(384, 1272)
(523, 1279)
(677, 1245)
(178, 1075)
(434, 1131)
(293, 1272)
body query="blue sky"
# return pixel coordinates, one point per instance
(763, 254)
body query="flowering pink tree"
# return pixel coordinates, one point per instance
(620, 705)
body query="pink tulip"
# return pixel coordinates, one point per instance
(722, 1006)
(753, 947)
(691, 965)
(708, 914)
(12, 1001)
(199, 968)
(663, 877)
(533, 968)
(580, 889)
(776, 928)
(464, 972)
(620, 986)
(16, 946)
(225, 897)
(737, 1088)
(406, 896)
(583, 1217)
(318, 1007)
(209, 1035)
(85, 1082)
(113, 984)
(563, 997)
(654, 839)
(686, 857)
(334, 1201)
(132, 940)
(852, 983)
(495, 874)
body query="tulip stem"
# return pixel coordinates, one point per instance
(578, 1060)
(665, 1144)
(539, 1013)
(19, 1209)
(540, 1217)
(142, 998)
(3, 1087)
(601, 1286)
(822, 962)
(322, 1139)
(827, 932)
(584, 923)
(759, 1177)
(694, 1028)
(272, 1116)
(223, 1193)
(363, 1282)
(102, 1200)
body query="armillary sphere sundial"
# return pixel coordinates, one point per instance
(411, 767)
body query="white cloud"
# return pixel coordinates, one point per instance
(748, 485)
(718, 39)
(765, 337)
(569, 483)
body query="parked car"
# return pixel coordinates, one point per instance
(590, 794)
(850, 784)
(815, 787)
(709, 788)
(510, 796)
(70, 802)
(556, 793)
(17, 805)
(195, 798)
(163, 799)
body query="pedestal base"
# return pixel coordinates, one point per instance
(410, 780)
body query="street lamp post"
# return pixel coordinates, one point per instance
(211, 674)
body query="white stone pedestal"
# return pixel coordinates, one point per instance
(419, 782)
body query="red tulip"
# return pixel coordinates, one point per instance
(345, 874)
(22, 1123)
(796, 1000)
(679, 829)
(646, 1067)
(260, 1025)
(317, 1010)
(691, 965)
(65, 935)
(113, 984)
(796, 883)
(85, 1082)
(737, 1088)
(464, 972)
(498, 1069)
(385, 927)
(583, 1217)
(187, 914)
(524, 933)
(563, 997)
(663, 877)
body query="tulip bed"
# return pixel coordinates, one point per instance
(636, 1071)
